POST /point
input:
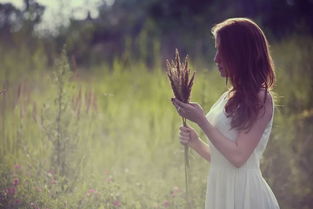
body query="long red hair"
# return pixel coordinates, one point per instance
(249, 67)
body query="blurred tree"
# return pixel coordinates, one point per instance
(17, 26)
(186, 24)
(32, 15)
(10, 17)
(147, 25)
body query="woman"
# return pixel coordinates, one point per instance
(238, 125)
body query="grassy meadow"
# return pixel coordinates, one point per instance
(107, 137)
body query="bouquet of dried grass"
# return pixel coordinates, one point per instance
(181, 81)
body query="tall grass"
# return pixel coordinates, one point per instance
(120, 134)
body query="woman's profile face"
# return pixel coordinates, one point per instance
(218, 58)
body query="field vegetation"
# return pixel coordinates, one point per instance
(107, 136)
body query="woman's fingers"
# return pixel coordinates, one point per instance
(184, 135)
(185, 128)
(180, 105)
(184, 140)
(179, 109)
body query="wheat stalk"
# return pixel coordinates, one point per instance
(181, 83)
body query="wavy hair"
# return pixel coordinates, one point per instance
(249, 67)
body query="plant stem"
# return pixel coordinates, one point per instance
(187, 170)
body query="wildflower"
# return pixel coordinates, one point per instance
(110, 179)
(166, 203)
(90, 192)
(17, 167)
(11, 191)
(53, 181)
(50, 174)
(116, 203)
(16, 181)
(34, 206)
(175, 191)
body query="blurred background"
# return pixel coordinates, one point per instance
(86, 119)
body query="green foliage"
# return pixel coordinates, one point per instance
(60, 126)
(109, 138)
(144, 29)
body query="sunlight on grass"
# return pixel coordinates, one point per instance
(108, 137)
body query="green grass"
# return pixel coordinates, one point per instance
(118, 134)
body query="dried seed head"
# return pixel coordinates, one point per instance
(179, 74)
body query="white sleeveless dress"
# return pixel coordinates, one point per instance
(236, 188)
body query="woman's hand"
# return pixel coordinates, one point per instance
(188, 136)
(190, 111)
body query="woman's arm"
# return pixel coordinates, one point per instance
(203, 150)
(238, 151)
